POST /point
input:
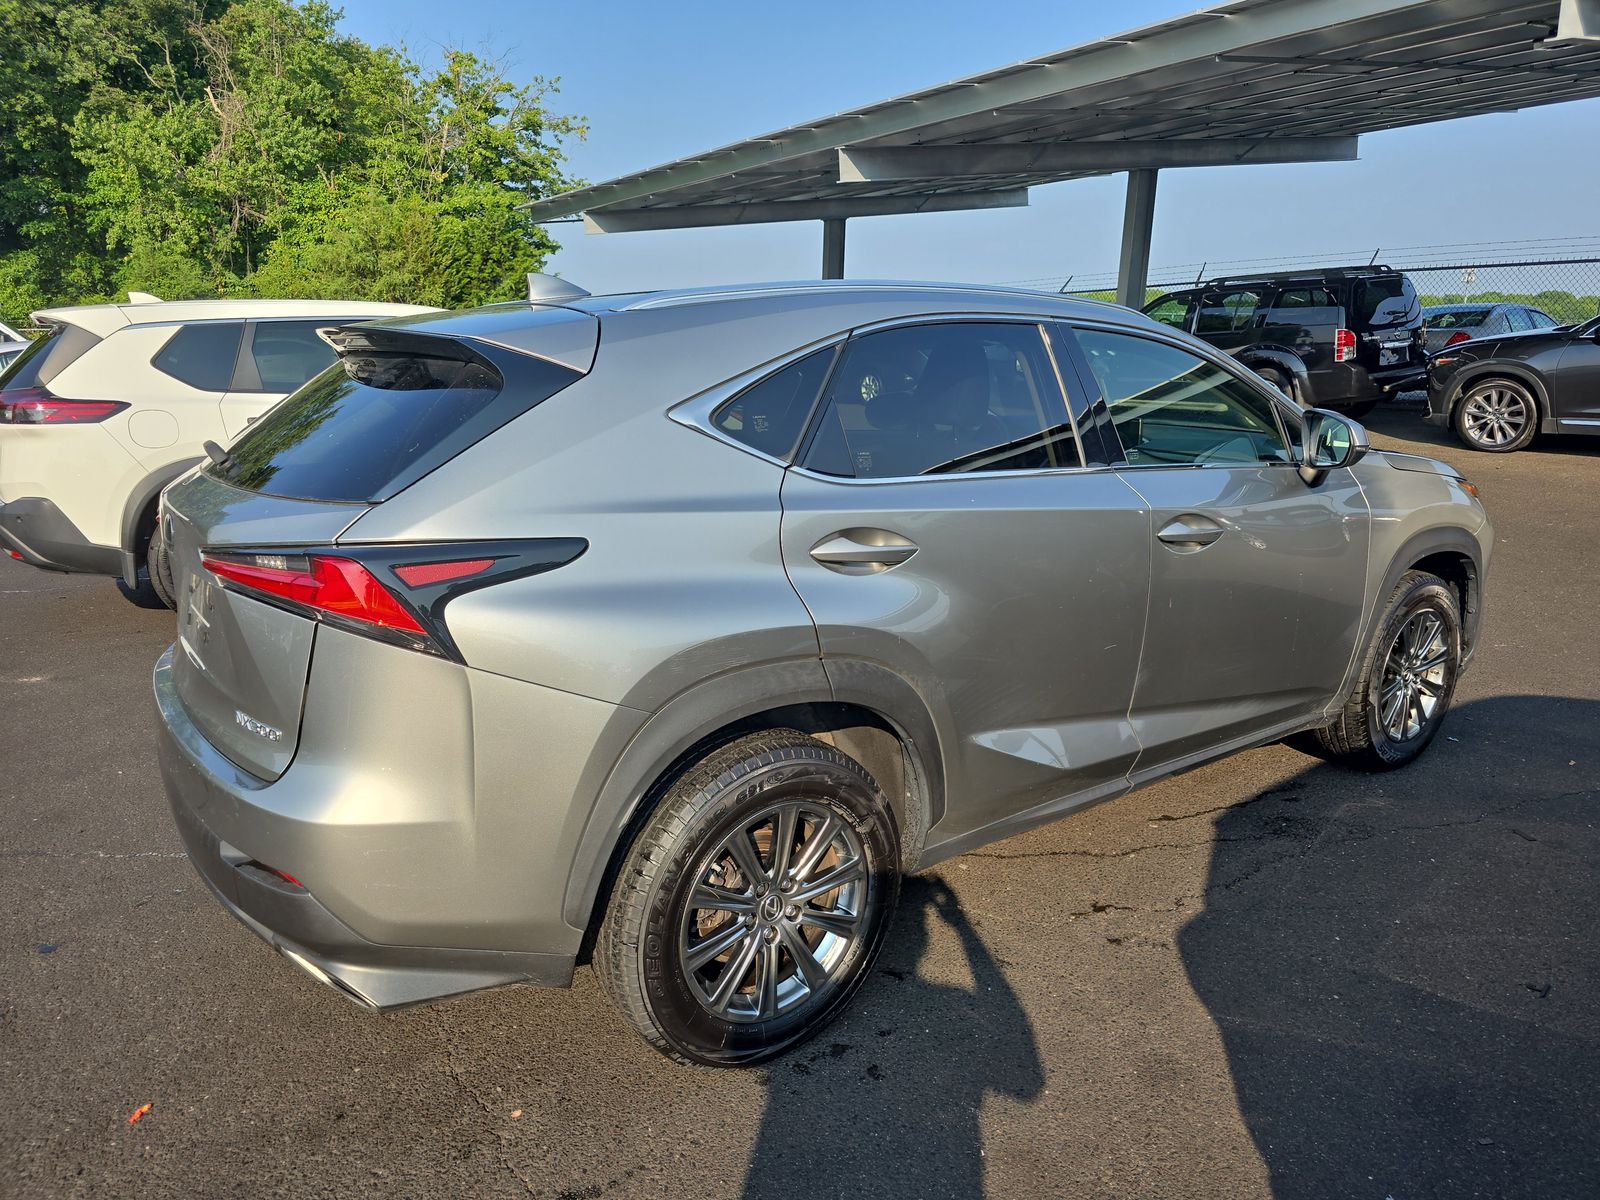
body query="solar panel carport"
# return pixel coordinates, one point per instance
(1251, 81)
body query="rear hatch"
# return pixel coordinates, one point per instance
(251, 534)
(1386, 314)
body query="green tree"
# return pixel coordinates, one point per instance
(201, 147)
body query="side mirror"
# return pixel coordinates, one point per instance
(1328, 441)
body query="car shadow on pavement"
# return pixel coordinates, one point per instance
(1404, 968)
(896, 1111)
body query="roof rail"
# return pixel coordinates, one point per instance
(551, 289)
(1302, 273)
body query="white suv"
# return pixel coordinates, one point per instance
(117, 400)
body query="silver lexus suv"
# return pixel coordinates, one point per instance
(668, 631)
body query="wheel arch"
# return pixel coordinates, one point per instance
(1284, 360)
(138, 514)
(1515, 372)
(860, 708)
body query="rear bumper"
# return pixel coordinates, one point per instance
(43, 536)
(211, 799)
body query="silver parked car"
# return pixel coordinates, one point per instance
(1449, 324)
(693, 620)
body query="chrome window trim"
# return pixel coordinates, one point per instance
(1216, 358)
(696, 412)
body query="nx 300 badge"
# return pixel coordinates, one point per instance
(259, 728)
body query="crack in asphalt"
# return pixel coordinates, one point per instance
(500, 1155)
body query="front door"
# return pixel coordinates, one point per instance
(1257, 581)
(941, 524)
(1576, 382)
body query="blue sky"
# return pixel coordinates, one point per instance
(660, 80)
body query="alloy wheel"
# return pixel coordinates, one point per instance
(1415, 676)
(1495, 415)
(775, 913)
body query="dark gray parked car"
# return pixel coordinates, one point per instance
(688, 622)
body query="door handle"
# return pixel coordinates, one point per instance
(863, 551)
(1190, 532)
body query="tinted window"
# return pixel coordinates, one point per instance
(287, 353)
(1305, 298)
(201, 355)
(1170, 406)
(943, 398)
(1542, 320)
(1518, 320)
(1170, 310)
(772, 415)
(48, 356)
(1225, 312)
(1386, 300)
(358, 427)
(1456, 318)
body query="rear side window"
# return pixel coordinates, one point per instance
(284, 354)
(1314, 297)
(942, 399)
(771, 415)
(1519, 320)
(1386, 300)
(201, 355)
(358, 428)
(48, 356)
(1542, 320)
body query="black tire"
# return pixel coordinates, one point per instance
(1493, 409)
(1364, 734)
(650, 932)
(1277, 379)
(158, 565)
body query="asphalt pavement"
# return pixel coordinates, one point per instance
(1270, 976)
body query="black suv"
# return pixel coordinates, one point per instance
(1336, 337)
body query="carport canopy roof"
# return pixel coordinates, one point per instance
(1240, 82)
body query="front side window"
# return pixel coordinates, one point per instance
(1172, 407)
(287, 353)
(1170, 310)
(1226, 312)
(201, 355)
(940, 399)
(771, 415)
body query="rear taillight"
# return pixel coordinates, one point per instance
(1456, 338)
(1344, 345)
(396, 593)
(338, 587)
(38, 406)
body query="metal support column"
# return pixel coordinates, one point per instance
(1138, 218)
(833, 248)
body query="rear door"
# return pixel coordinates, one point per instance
(942, 523)
(1257, 581)
(1303, 320)
(276, 358)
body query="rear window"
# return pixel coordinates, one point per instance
(1460, 318)
(1386, 300)
(379, 420)
(48, 356)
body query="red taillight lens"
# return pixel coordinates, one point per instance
(1457, 338)
(340, 587)
(37, 406)
(423, 574)
(1344, 345)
